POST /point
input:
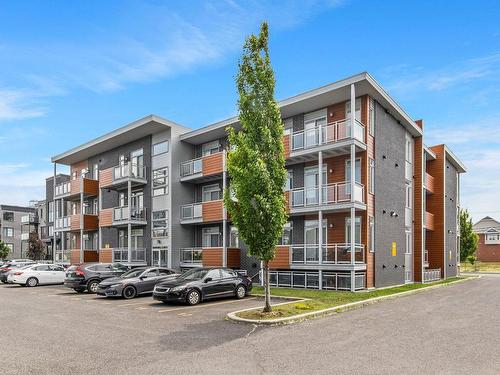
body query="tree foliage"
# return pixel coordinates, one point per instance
(4, 250)
(256, 162)
(468, 239)
(36, 248)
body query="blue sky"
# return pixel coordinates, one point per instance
(71, 71)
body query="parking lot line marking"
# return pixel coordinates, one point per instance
(205, 305)
(135, 304)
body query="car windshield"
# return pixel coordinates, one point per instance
(194, 274)
(132, 273)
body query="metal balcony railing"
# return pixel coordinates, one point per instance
(29, 219)
(63, 222)
(331, 193)
(332, 132)
(432, 275)
(136, 214)
(191, 211)
(339, 253)
(191, 167)
(63, 189)
(129, 170)
(137, 255)
(192, 255)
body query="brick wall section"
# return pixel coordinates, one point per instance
(418, 192)
(487, 253)
(435, 205)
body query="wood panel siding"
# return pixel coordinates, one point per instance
(435, 205)
(106, 177)
(106, 255)
(418, 207)
(90, 256)
(429, 183)
(336, 112)
(212, 211)
(286, 144)
(75, 186)
(90, 222)
(90, 187)
(75, 256)
(212, 164)
(281, 258)
(78, 167)
(106, 217)
(75, 222)
(429, 221)
(233, 258)
(212, 257)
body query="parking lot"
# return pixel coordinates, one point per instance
(52, 330)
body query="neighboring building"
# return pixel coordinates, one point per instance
(488, 245)
(16, 223)
(151, 192)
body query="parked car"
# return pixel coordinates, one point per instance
(8, 267)
(199, 284)
(87, 276)
(141, 280)
(38, 274)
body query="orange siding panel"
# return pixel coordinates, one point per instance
(75, 222)
(286, 144)
(75, 256)
(106, 217)
(90, 187)
(106, 255)
(106, 177)
(212, 257)
(212, 164)
(234, 258)
(281, 258)
(212, 211)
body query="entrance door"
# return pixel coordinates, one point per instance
(160, 257)
(408, 258)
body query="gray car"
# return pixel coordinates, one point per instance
(141, 280)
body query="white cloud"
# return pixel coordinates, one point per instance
(19, 184)
(464, 134)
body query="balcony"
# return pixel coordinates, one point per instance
(122, 216)
(429, 183)
(337, 134)
(120, 175)
(204, 212)
(90, 222)
(310, 280)
(432, 275)
(210, 257)
(429, 221)
(63, 223)
(29, 219)
(336, 195)
(74, 188)
(137, 256)
(332, 254)
(206, 168)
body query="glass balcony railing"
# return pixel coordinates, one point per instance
(137, 255)
(122, 214)
(332, 193)
(191, 255)
(339, 253)
(129, 170)
(191, 211)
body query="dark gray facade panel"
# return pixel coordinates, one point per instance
(390, 197)
(298, 122)
(451, 200)
(298, 175)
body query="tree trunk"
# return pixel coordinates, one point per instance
(267, 290)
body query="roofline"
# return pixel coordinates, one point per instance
(315, 92)
(430, 152)
(116, 132)
(455, 160)
(9, 207)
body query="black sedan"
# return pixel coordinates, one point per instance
(141, 280)
(199, 284)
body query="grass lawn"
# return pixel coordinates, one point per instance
(322, 299)
(480, 267)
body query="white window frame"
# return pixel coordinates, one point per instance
(164, 228)
(408, 242)
(207, 233)
(371, 117)
(210, 148)
(234, 238)
(289, 180)
(287, 227)
(347, 172)
(210, 189)
(7, 230)
(357, 220)
(162, 186)
(494, 239)
(371, 175)
(371, 233)
(357, 109)
(408, 196)
(161, 148)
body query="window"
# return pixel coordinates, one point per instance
(8, 232)
(228, 274)
(408, 242)
(211, 237)
(289, 180)
(371, 224)
(160, 148)
(42, 268)
(408, 150)
(8, 216)
(371, 114)
(51, 231)
(213, 274)
(160, 181)
(286, 237)
(408, 196)
(357, 237)
(210, 148)
(358, 109)
(234, 240)
(95, 171)
(74, 175)
(164, 272)
(492, 238)
(372, 177)
(357, 170)
(160, 223)
(51, 212)
(210, 193)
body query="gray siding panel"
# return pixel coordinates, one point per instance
(451, 200)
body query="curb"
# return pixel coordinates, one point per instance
(335, 309)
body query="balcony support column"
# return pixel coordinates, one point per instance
(129, 226)
(99, 208)
(224, 212)
(54, 217)
(82, 258)
(353, 210)
(353, 109)
(320, 247)
(320, 178)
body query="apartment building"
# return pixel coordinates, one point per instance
(369, 204)
(488, 245)
(16, 222)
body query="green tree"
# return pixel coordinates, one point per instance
(255, 161)
(4, 250)
(468, 239)
(36, 248)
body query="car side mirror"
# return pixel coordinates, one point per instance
(208, 279)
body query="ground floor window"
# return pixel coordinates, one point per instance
(160, 256)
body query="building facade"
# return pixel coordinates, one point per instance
(16, 222)
(369, 204)
(488, 245)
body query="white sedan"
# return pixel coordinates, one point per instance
(38, 274)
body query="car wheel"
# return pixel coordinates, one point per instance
(31, 282)
(240, 291)
(92, 286)
(5, 282)
(193, 297)
(79, 290)
(129, 292)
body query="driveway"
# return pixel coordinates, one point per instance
(450, 330)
